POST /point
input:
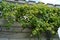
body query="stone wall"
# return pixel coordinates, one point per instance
(20, 36)
(16, 32)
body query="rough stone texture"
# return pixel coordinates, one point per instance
(3, 39)
(20, 36)
(13, 35)
(16, 32)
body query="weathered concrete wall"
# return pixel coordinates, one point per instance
(16, 32)
(19, 36)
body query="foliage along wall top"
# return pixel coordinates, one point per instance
(39, 17)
